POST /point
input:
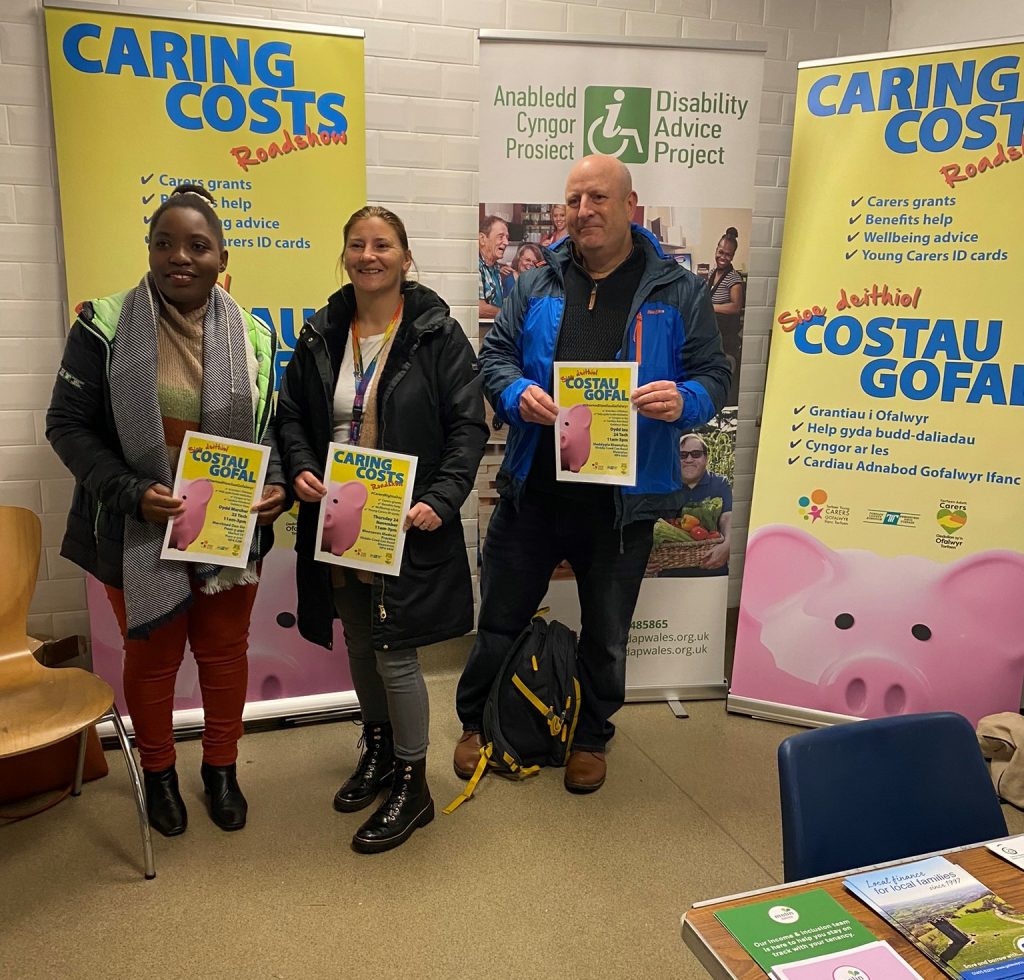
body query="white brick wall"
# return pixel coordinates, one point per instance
(422, 83)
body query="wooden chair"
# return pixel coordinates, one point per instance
(40, 705)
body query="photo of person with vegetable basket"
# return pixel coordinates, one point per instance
(705, 518)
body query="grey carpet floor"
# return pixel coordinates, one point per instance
(524, 881)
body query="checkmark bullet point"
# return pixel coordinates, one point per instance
(793, 460)
(799, 425)
(797, 411)
(850, 255)
(854, 219)
(148, 198)
(793, 445)
(146, 219)
(146, 180)
(850, 238)
(853, 204)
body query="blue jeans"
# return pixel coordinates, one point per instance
(521, 551)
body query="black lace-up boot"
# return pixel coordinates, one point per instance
(373, 772)
(228, 807)
(164, 805)
(407, 807)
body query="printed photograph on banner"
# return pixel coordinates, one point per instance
(369, 493)
(696, 542)
(712, 243)
(596, 427)
(218, 481)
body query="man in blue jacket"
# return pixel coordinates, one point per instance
(606, 293)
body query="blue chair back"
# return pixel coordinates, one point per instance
(865, 792)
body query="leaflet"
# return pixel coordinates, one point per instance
(785, 930)
(949, 915)
(596, 428)
(219, 481)
(369, 493)
(1011, 849)
(875, 961)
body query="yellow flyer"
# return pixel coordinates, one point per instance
(596, 422)
(369, 492)
(219, 481)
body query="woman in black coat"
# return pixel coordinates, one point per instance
(385, 366)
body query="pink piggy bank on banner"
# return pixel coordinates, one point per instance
(343, 516)
(574, 437)
(196, 494)
(853, 633)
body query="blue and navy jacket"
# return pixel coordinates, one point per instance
(672, 333)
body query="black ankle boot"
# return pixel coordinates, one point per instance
(373, 772)
(407, 807)
(226, 802)
(164, 805)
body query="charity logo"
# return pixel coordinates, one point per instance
(950, 521)
(783, 914)
(849, 973)
(812, 506)
(617, 122)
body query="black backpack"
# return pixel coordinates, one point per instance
(533, 707)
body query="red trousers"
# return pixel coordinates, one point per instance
(217, 629)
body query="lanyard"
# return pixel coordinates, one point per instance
(362, 375)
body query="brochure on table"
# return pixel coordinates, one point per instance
(218, 481)
(795, 928)
(596, 422)
(949, 915)
(1011, 849)
(875, 961)
(369, 492)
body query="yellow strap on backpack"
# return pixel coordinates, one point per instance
(485, 756)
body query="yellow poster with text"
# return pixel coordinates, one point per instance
(883, 572)
(269, 119)
(218, 482)
(362, 518)
(596, 424)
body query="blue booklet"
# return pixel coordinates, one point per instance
(953, 918)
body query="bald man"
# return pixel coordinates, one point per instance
(583, 305)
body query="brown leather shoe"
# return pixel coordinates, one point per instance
(467, 754)
(585, 771)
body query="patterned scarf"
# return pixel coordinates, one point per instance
(156, 591)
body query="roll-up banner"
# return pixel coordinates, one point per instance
(884, 571)
(683, 116)
(269, 117)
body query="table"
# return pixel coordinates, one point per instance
(723, 957)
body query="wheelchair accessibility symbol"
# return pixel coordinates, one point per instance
(618, 122)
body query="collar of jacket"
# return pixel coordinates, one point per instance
(424, 312)
(658, 268)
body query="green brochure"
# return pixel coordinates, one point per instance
(782, 930)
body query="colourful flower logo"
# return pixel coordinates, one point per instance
(813, 506)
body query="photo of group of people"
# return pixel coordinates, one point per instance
(713, 244)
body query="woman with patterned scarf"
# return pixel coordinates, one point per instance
(384, 365)
(140, 368)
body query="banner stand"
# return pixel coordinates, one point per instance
(689, 139)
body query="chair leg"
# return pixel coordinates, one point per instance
(136, 781)
(83, 737)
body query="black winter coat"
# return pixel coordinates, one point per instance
(429, 405)
(80, 426)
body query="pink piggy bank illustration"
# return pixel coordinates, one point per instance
(196, 494)
(853, 633)
(574, 437)
(343, 515)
